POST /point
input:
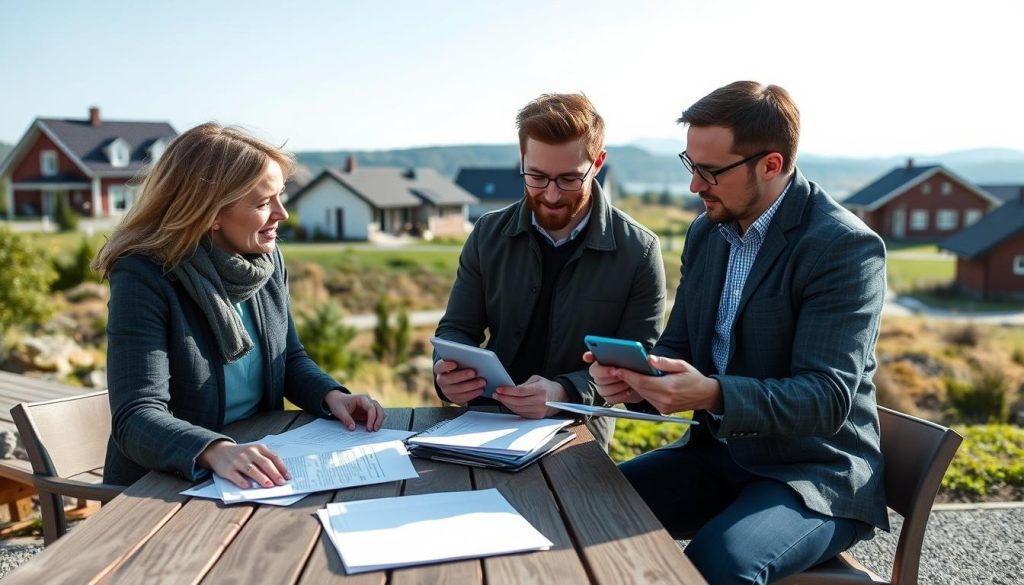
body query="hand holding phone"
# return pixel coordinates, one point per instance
(620, 353)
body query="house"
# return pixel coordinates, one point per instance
(363, 203)
(920, 203)
(1004, 192)
(990, 253)
(89, 163)
(498, 187)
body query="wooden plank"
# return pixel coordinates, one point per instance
(190, 543)
(435, 477)
(529, 494)
(285, 538)
(121, 528)
(618, 536)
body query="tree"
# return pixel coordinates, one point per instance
(326, 339)
(67, 218)
(25, 287)
(381, 347)
(391, 343)
(666, 198)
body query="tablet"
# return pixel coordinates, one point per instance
(486, 364)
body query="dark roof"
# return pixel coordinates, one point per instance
(389, 187)
(1005, 192)
(1003, 222)
(891, 181)
(86, 142)
(503, 183)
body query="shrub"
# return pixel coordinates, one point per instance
(633, 437)
(24, 289)
(989, 461)
(67, 218)
(327, 338)
(984, 400)
(78, 269)
(966, 336)
(391, 343)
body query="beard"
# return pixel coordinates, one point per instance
(566, 209)
(745, 208)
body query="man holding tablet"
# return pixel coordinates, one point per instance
(538, 276)
(772, 342)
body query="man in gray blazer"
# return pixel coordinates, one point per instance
(771, 342)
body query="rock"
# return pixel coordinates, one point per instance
(95, 379)
(87, 291)
(8, 444)
(50, 353)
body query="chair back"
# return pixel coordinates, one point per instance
(66, 436)
(917, 453)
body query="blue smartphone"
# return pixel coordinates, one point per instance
(621, 353)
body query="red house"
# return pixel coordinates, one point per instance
(86, 162)
(990, 253)
(920, 203)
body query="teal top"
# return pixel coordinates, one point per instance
(243, 378)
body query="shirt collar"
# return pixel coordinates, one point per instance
(572, 235)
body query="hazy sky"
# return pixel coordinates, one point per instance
(871, 77)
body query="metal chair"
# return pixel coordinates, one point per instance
(917, 454)
(66, 442)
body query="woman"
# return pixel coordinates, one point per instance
(200, 332)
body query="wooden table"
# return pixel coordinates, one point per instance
(601, 530)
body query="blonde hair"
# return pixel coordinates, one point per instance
(204, 170)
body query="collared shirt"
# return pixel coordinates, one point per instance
(572, 235)
(743, 251)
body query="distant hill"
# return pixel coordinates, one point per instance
(652, 164)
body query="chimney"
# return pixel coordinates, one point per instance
(910, 163)
(350, 164)
(410, 173)
(94, 116)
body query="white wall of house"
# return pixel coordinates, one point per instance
(318, 207)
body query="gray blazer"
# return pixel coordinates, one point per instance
(799, 401)
(166, 377)
(613, 285)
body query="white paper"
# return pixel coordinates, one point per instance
(209, 491)
(489, 432)
(330, 435)
(330, 470)
(618, 413)
(372, 535)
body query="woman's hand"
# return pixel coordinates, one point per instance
(353, 408)
(243, 464)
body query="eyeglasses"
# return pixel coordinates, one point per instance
(711, 176)
(564, 183)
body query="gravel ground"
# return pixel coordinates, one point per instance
(961, 547)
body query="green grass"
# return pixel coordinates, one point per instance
(660, 219)
(64, 244)
(332, 256)
(907, 274)
(989, 461)
(912, 247)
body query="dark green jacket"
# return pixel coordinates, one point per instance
(614, 285)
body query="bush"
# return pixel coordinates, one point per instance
(966, 336)
(391, 343)
(989, 462)
(78, 269)
(633, 437)
(24, 289)
(327, 338)
(67, 218)
(984, 400)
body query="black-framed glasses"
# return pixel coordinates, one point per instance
(563, 182)
(710, 176)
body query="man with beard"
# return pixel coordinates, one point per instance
(536, 277)
(771, 342)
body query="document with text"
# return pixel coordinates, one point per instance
(488, 432)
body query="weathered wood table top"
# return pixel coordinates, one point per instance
(601, 530)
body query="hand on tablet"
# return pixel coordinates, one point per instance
(458, 385)
(528, 399)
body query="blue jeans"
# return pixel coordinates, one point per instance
(744, 528)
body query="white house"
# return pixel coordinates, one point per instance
(498, 187)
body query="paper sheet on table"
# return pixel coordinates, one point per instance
(619, 413)
(330, 470)
(490, 432)
(329, 434)
(209, 491)
(372, 535)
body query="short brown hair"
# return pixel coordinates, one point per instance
(557, 118)
(204, 170)
(761, 118)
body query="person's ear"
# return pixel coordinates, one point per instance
(773, 165)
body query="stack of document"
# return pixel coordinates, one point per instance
(373, 535)
(322, 455)
(490, 439)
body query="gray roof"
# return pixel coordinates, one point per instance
(995, 227)
(499, 183)
(891, 181)
(389, 187)
(1005, 192)
(86, 142)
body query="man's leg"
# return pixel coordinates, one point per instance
(684, 486)
(768, 533)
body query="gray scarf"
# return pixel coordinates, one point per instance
(216, 280)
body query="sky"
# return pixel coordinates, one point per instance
(871, 77)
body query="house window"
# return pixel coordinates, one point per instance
(947, 187)
(1018, 265)
(48, 162)
(926, 188)
(919, 219)
(945, 219)
(971, 216)
(121, 198)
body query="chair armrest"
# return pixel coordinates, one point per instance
(104, 492)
